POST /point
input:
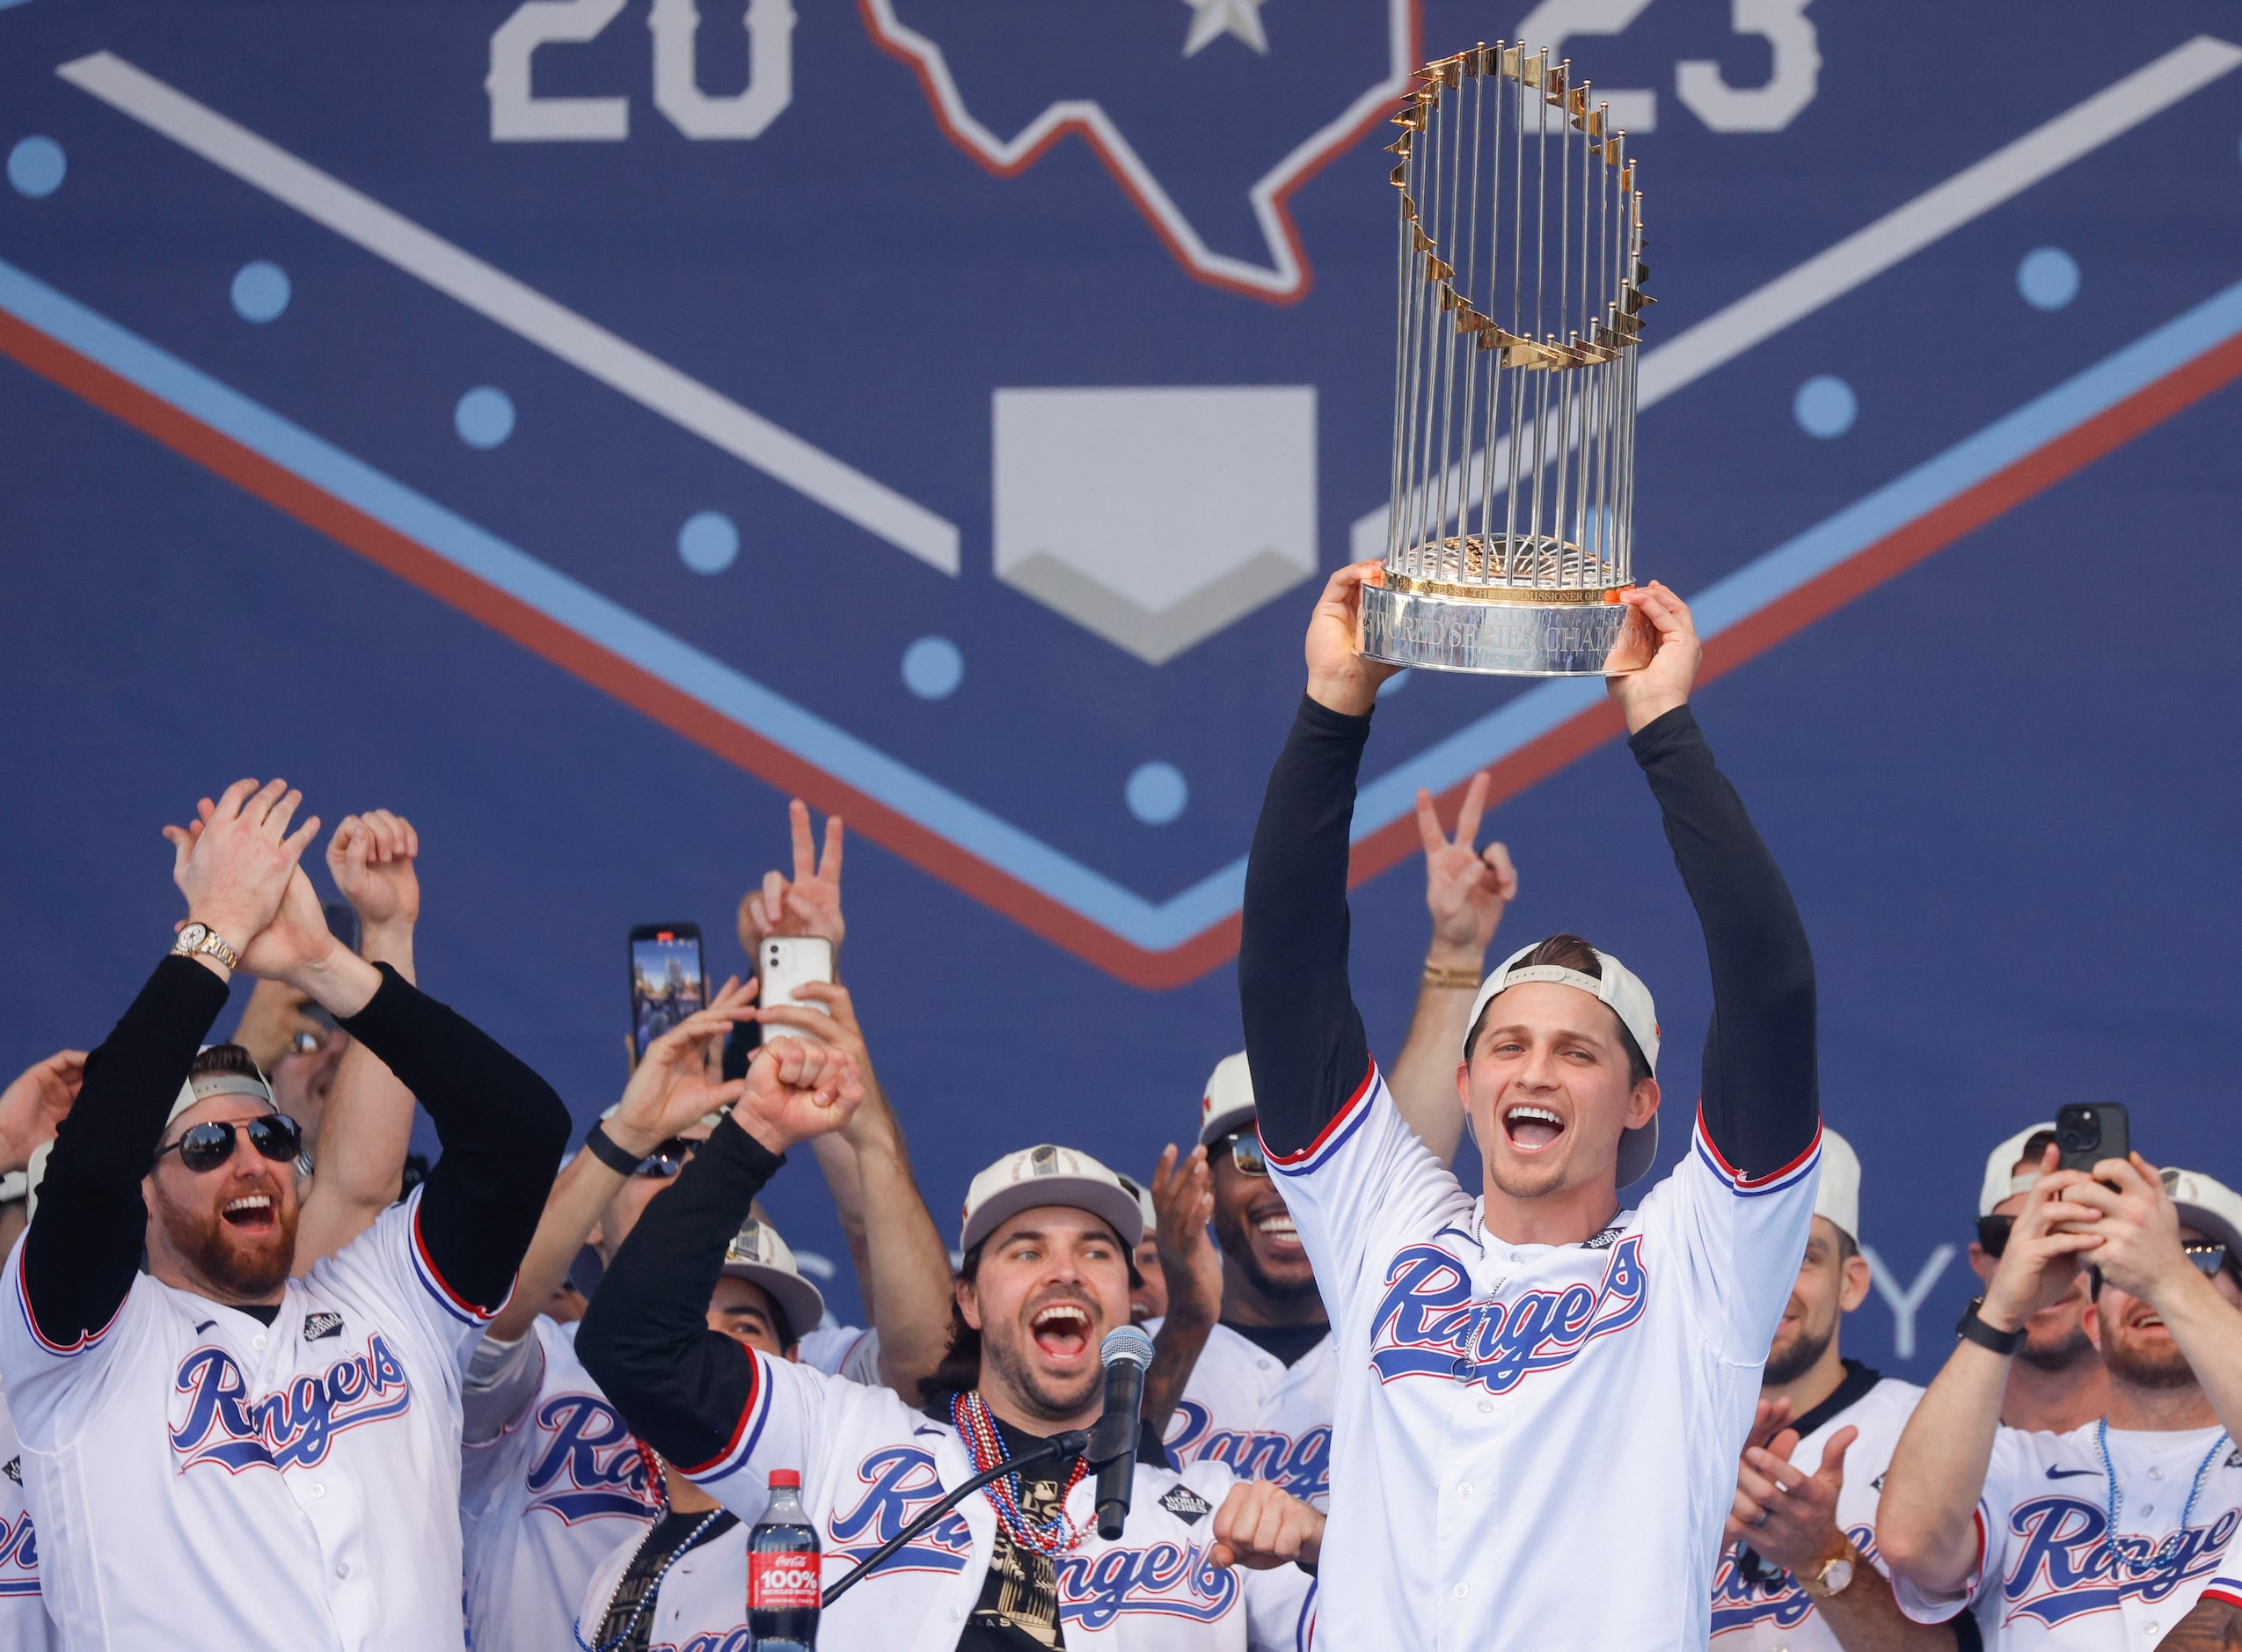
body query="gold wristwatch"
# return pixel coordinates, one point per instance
(1835, 1574)
(200, 938)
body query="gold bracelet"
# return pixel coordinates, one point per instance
(1441, 978)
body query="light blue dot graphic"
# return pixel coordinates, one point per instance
(709, 542)
(2047, 278)
(260, 291)
(36, 166)
(1825, 406)
(485, 416)
(933, 668)
(1395, 684)
(1157, 793)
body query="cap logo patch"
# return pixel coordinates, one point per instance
(1187, 1505)
(1043, 1161)
(317, 1326)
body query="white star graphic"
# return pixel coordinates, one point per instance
(1241, 18)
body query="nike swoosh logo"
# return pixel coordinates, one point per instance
(2070, 1474)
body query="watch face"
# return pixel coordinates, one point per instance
(193, 936)
(1837, 1575)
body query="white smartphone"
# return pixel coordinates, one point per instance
(784, 961)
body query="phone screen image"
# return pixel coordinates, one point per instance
(666, 984)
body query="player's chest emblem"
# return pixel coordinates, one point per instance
(2066, 1564)
(1429, 1323)
(1164, 1580)
(588, 1463)
(1302, 1465)
(218, 1420)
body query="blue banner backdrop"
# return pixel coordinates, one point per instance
(580, 426)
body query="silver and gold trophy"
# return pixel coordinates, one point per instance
(1512, 519)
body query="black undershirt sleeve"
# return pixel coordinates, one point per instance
(1303, 1037)
(503, 1128)
(1761, 1094)
(84, 1245)
(645, 1339)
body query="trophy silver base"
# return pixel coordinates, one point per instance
(1440, 634)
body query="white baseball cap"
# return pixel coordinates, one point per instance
(1145, 1209)
(1838, 1195)
(758, 1255)
(203, 1085)
(1619, 990)
(1045, 1174)
(2003, 1181)
(1229, 1101)
(2208, 1206)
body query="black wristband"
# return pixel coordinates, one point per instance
(605, 1148)
(1976, 1330)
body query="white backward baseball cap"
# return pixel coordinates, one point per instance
(1229, 1101)
(200, 1088)
(2001, 1178)
(1045, 1174)
(2208, 1206)
(1620, 990)
(758, 1255)
(1836, 1198)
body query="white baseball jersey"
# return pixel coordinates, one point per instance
(2050, 1580)
(1506, 1413)
(1268, 1421)
(869, 1463)
(544, 1503)
(23, 1624)
(844, 1350)
(701, 1606)
(2226, 1583)
(1765, 1617)
(288, 1487)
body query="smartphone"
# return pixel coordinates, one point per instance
(668, 982)
(784, 961)
(2086, 1133)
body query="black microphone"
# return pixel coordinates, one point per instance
(1126, 1352)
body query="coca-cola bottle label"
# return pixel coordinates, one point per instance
(783, 1581)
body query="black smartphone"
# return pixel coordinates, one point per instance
(2088, 1132)
(667, 981)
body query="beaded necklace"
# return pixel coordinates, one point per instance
(2116, 1502)
(653, 1467)
(978, 1430)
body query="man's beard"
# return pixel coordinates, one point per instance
(2057, 1351)
(1787, 1362)
(236, 1268)
(2139, 1367)
(1237, 1245)
(1026, 1382)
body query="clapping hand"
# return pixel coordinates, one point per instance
(1787, 1515)
(1183, 1198)
(810, 903)
(234, 860)
(1467, 888)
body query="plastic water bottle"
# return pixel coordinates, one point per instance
(785, 1575)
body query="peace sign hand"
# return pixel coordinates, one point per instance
(809, 903)
(1467, 888)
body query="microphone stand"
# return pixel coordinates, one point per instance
(1071, 1443)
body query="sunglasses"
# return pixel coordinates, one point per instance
(1246, 1154)
(204, 1147)
(2207, 1255)
(667, 1159)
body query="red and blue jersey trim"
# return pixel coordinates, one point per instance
(2225, 1590)
(745, 1432)
(456, 1306)
(1755, 1186)
(63, 1350)
(1335, 1134)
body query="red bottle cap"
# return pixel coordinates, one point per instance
(785, 1476)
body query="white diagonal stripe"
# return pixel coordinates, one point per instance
(1898, 235)
(457, 273)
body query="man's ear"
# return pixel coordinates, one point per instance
(1980, 1263)
(1642, 1104)
(2094, 1323)
(1859, 1280)
(969, 1302)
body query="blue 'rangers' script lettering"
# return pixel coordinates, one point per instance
(1163, 1579)
(2068, 1566)
(898, 1480)
(1738, 1602)
(593, 1467)
(1301, 1466)
(18, 1558)
(288, 1429)
(1428, 1325)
